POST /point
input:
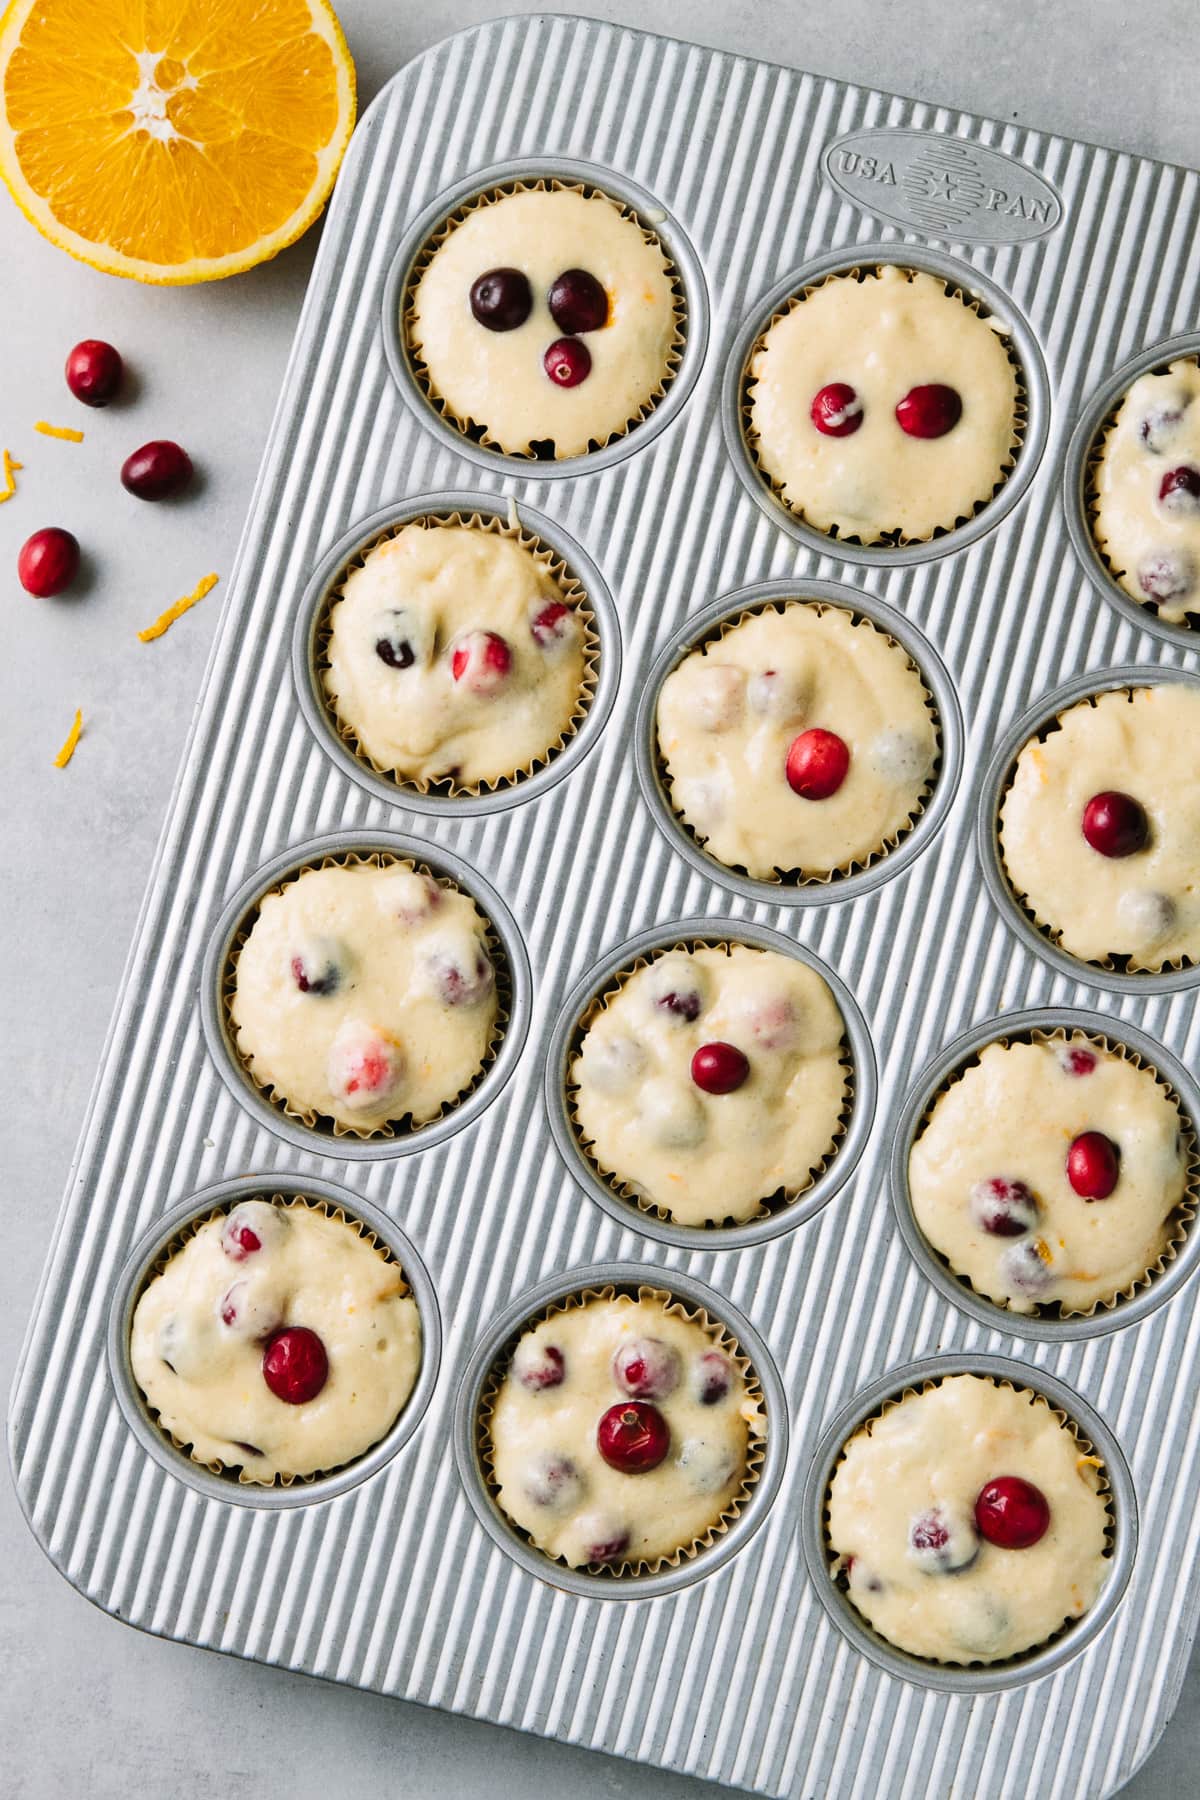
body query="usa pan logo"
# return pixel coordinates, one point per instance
(943, 186)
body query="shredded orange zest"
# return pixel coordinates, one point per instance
(68, 433)
(165, 620)
(68, 750)
(11, 465)
(1088, 1462)
(1043, 1249)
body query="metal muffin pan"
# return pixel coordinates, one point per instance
(740, 1676)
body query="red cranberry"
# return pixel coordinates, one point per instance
(553, 625)
(539, 1366)
(294, 1365)
(578, 302)
(48, 562)
(1003, 1207)
(836, 410)
(94, 371)
(247, 1314)
(719, 1068)
(646, 1369)
(156, 471)
(940, 1545)
(817, 763)
(567, 362)
(239, 1240)
(457, 982)
(609, 1547)
(228, 1308)
(1166, 577)
(1025, 1268)
(553, 1481)
(1093, 1165)
(502, 299)
(930, 411)
(1157, 427)
(1076, 1059)
(712, 1377)
(316, 974)
(1012, 1513)
(1179, 489)
(482, 661)
(633, 1437)
(1115, 824)
(393, 646)
(681, 1004)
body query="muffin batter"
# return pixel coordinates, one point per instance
(903, 1523)
(1147, 507)
(205, 1326)
(729, 713)
(855, 353)
(711, 1080)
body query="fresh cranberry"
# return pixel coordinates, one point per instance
(394, 648)
(239, 1240)
(1166, 576)
(412, 896)
(609, 1541)
(567, 362)
(253, 1226)
(246, 1314)
(836, 410)
(682, 1004)
(1012, 1513)
(1115, 824)
(941, 1545)
(316, 973)
(553, 625)
(294, 1365)
(578, 302)
(1076, 1059)
(712, 1377)
(553, 1481)
(646, 1369)
(48, 562)
(817, 763)
(1093, 1165)
(482, 661)
(365, 1066)
(930, 411)
(1024, 1268)
(94, 371)
(156, 471)
(502, 299)
(1158, 426)
(1179, 489)
(539, 1366)
(1003, 1207)
(719, 1068)
(459, 971)
(633, 1437)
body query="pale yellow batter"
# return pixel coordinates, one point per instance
(553, 1481)
(400, 1004)
(1011, 1118)
(937, 1449)
(424, 595)
(202, 1324)
(729, 712)
(1145, 906)
(882, 336)
(1151, 540)
(496, 379)
(706, 1157)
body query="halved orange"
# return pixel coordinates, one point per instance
(173, 140)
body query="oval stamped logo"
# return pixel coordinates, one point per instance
(943, 186)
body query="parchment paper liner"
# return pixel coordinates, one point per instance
(320, 1121)
(1179, 1220)
(770, 1203)
(895, 538)
(801, 877)
(720, 1336)
(236, 1471)
(1091, 499)
(837, 1572)
(1120, 961)
(537, 449)
(565, 583)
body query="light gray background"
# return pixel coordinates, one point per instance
(89, 1708)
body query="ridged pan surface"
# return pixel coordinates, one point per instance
(394, 1585)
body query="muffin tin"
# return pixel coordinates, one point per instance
(394, 1576)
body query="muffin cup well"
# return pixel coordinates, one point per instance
(572, 571)
(1175, 1264)
(306, 1130)
(1037, 722)
(1031, 413)
(795, 888)
(1079, 487)
(1094, 1438)
(766, 1457)
(467, 438)
(621, 1203)
(167, 1235)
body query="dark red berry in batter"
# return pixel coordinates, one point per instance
(1012, 1513)
(719, 1068)
(929, 412)
(1093, 1165)
(1115, 824)
(836, 410)
(502, 299)
(817, 763)
(633, 1437)
(295, 1366)
(578, 302)
(567, 362)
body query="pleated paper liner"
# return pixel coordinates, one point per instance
(808, 877)
(888, 539)
(1179, 1221)
(1087, 1454)
(395, 1128)
(769, 1204)
(541, 449)
(566, 584)
(721, 1338)
(236, 1472)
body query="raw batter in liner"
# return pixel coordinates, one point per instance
(1007, 1123)
(882, 336)
(729, 712)
(202, 1324)
(553, 1481)
(365, 994)
(936, 1450)
(1146, 905)
(496, 379)
(706, 1156)
(1152, 539)
(424, 595)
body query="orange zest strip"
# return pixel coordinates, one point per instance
(11, 465)
(68, 750)
(165, 620)
(68, 433)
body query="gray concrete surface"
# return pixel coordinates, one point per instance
(88, 1708)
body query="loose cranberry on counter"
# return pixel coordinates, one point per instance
(712, 1377)
(1077, 1059)
(1011, 1513)
(294, 1365)
(94, 371)
(817, 764)
(646, 1369)
(502, 299)
(553, 1481)
(1093, 1165)
(48, 562)
(481, 661)
(1115, 824)
(941, 1544)
(836, 410)
(1003, 1207)
(719, 1068)
(1179, 489)
(539, 1366)
(578, 302)
(567, 362)
(553, 625)
(1166, 576)
(930, 411)
(156, 471)
(633, 1437)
